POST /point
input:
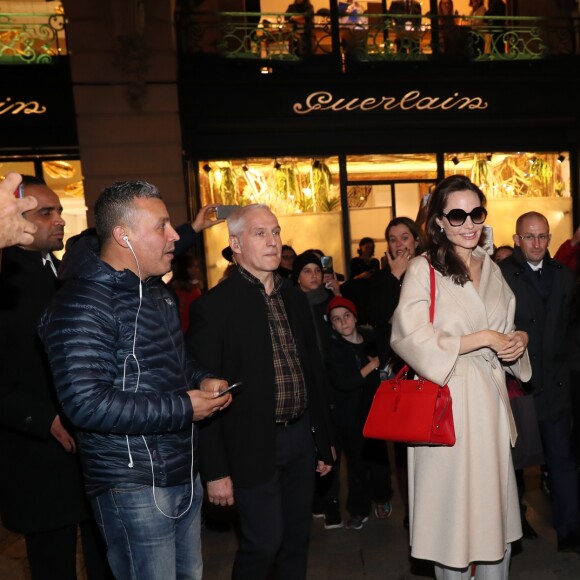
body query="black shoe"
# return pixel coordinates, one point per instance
(570, 543)
(528, 532)
(332, 517)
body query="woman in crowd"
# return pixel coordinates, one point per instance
(185, 283)
(463, 499)
(364, 266)
(405, 240)
(286, 261)
(568, 252)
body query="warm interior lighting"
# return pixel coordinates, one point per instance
(245, 167)
(488, 157)
(455, 160)
(207, 168)
(561, 158)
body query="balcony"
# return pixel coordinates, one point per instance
(31, 38)
(274, 37)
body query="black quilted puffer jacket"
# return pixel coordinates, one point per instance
(121, 405)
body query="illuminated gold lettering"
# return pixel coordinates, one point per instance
(448, 103)
(16, 107)
(407, 102)
(412, 100)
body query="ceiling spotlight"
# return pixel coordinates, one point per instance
(455, 160)
(561, 158)
(207, 168)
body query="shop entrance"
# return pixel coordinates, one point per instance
(330, 203)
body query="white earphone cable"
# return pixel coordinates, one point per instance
(132, 355)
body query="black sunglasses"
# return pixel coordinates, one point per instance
(457, 217)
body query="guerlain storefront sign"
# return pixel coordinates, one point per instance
(410, 101)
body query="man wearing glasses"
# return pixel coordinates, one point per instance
(544, 291)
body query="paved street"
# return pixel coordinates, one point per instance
(378, 551)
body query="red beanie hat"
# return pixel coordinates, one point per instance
(339, 301)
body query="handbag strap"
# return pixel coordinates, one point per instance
(405, 368)
(432, 284)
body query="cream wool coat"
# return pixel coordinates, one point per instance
(463, 499)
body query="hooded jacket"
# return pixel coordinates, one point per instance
(121, 373)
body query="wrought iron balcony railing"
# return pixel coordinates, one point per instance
(31, 38)
(378, 37)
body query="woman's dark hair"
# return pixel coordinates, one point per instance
(287, 247)
(364, 242)
(440, 250)
(412, 226)
(181, 278)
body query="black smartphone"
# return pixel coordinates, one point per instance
(225, 211)
(232, 388)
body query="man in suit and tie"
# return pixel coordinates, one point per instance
(41, 492)
(544, 291)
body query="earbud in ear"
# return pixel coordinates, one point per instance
(125, 238)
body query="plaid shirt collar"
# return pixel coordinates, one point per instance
(278, 280)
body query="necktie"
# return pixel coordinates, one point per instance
(48, 267)
(539, 272)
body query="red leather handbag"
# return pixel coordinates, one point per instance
(413, 411)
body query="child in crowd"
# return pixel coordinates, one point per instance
(352, 365)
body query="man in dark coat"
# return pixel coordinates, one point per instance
(255, 327)
(41, 491)
(544, 291)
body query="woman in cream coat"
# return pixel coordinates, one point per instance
(463, 499)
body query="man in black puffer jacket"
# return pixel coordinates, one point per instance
(116, 349)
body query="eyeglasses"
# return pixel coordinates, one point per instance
(457, 217)
(533, 237)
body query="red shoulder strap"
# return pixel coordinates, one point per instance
(432, 284)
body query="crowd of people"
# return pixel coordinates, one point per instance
(134, 403)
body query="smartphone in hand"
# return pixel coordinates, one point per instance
(231, 389)
(225, 211)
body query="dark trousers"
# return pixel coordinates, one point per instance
(575, 382)
(367, 462)
(52, 555)
(275, 516)
(563, 474)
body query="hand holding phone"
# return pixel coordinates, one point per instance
(225, 211)
(232, 388)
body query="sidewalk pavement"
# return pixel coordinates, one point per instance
(378, 551)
